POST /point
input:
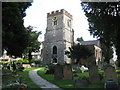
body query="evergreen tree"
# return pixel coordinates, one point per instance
(78, 52)
(14, 34)
(80, 39)
(103, 18)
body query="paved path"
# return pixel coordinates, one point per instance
(42, 83)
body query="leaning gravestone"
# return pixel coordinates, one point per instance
(110, 73)
(58, 74)
(67, 72)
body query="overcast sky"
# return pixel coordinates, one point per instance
(37, 16)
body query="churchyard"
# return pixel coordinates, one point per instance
(77, 80)
(64, 76)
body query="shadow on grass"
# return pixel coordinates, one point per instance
(69, 84)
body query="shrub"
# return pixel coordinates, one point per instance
(25, 61)
(20, 61)
(37, 61)
(51, 69)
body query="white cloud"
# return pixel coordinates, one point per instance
(37, 15)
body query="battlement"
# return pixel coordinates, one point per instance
(57, 12)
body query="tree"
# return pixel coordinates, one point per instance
(80, 39)
(81, 52)
(34, 44)
(78, 52)
(14, 35)
(104, 24)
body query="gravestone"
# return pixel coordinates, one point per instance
(93, 74)
(110, 73)
(111, 85)
(93, 70)
(58, 74)
(67, 72)
(77, 68)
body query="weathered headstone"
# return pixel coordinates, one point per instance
(110, 73)
(111, 85)
(93, 74)
(93, 70)
(58, 74)
(77, 68)
(67, 72)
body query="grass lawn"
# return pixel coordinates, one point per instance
(22, 76)
(60, 83)
(25, 77)
(67, 83)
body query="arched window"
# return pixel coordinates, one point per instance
(54, 50)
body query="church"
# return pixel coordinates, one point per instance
(58, 38)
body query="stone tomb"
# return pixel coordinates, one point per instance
(67, 72)
(110, 73)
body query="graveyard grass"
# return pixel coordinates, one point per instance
(118, 75)
(67, 83)
(24, 78)
(61, 83)
(50, 78)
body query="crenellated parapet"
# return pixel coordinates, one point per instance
(57, 12)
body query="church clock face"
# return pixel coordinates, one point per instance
(54, 20)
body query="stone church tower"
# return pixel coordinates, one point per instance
(59, 37)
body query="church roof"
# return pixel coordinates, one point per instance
(91, 42)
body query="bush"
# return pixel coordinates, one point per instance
(23, 61)
(51, 69)
(20, 61)
(37, 61)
